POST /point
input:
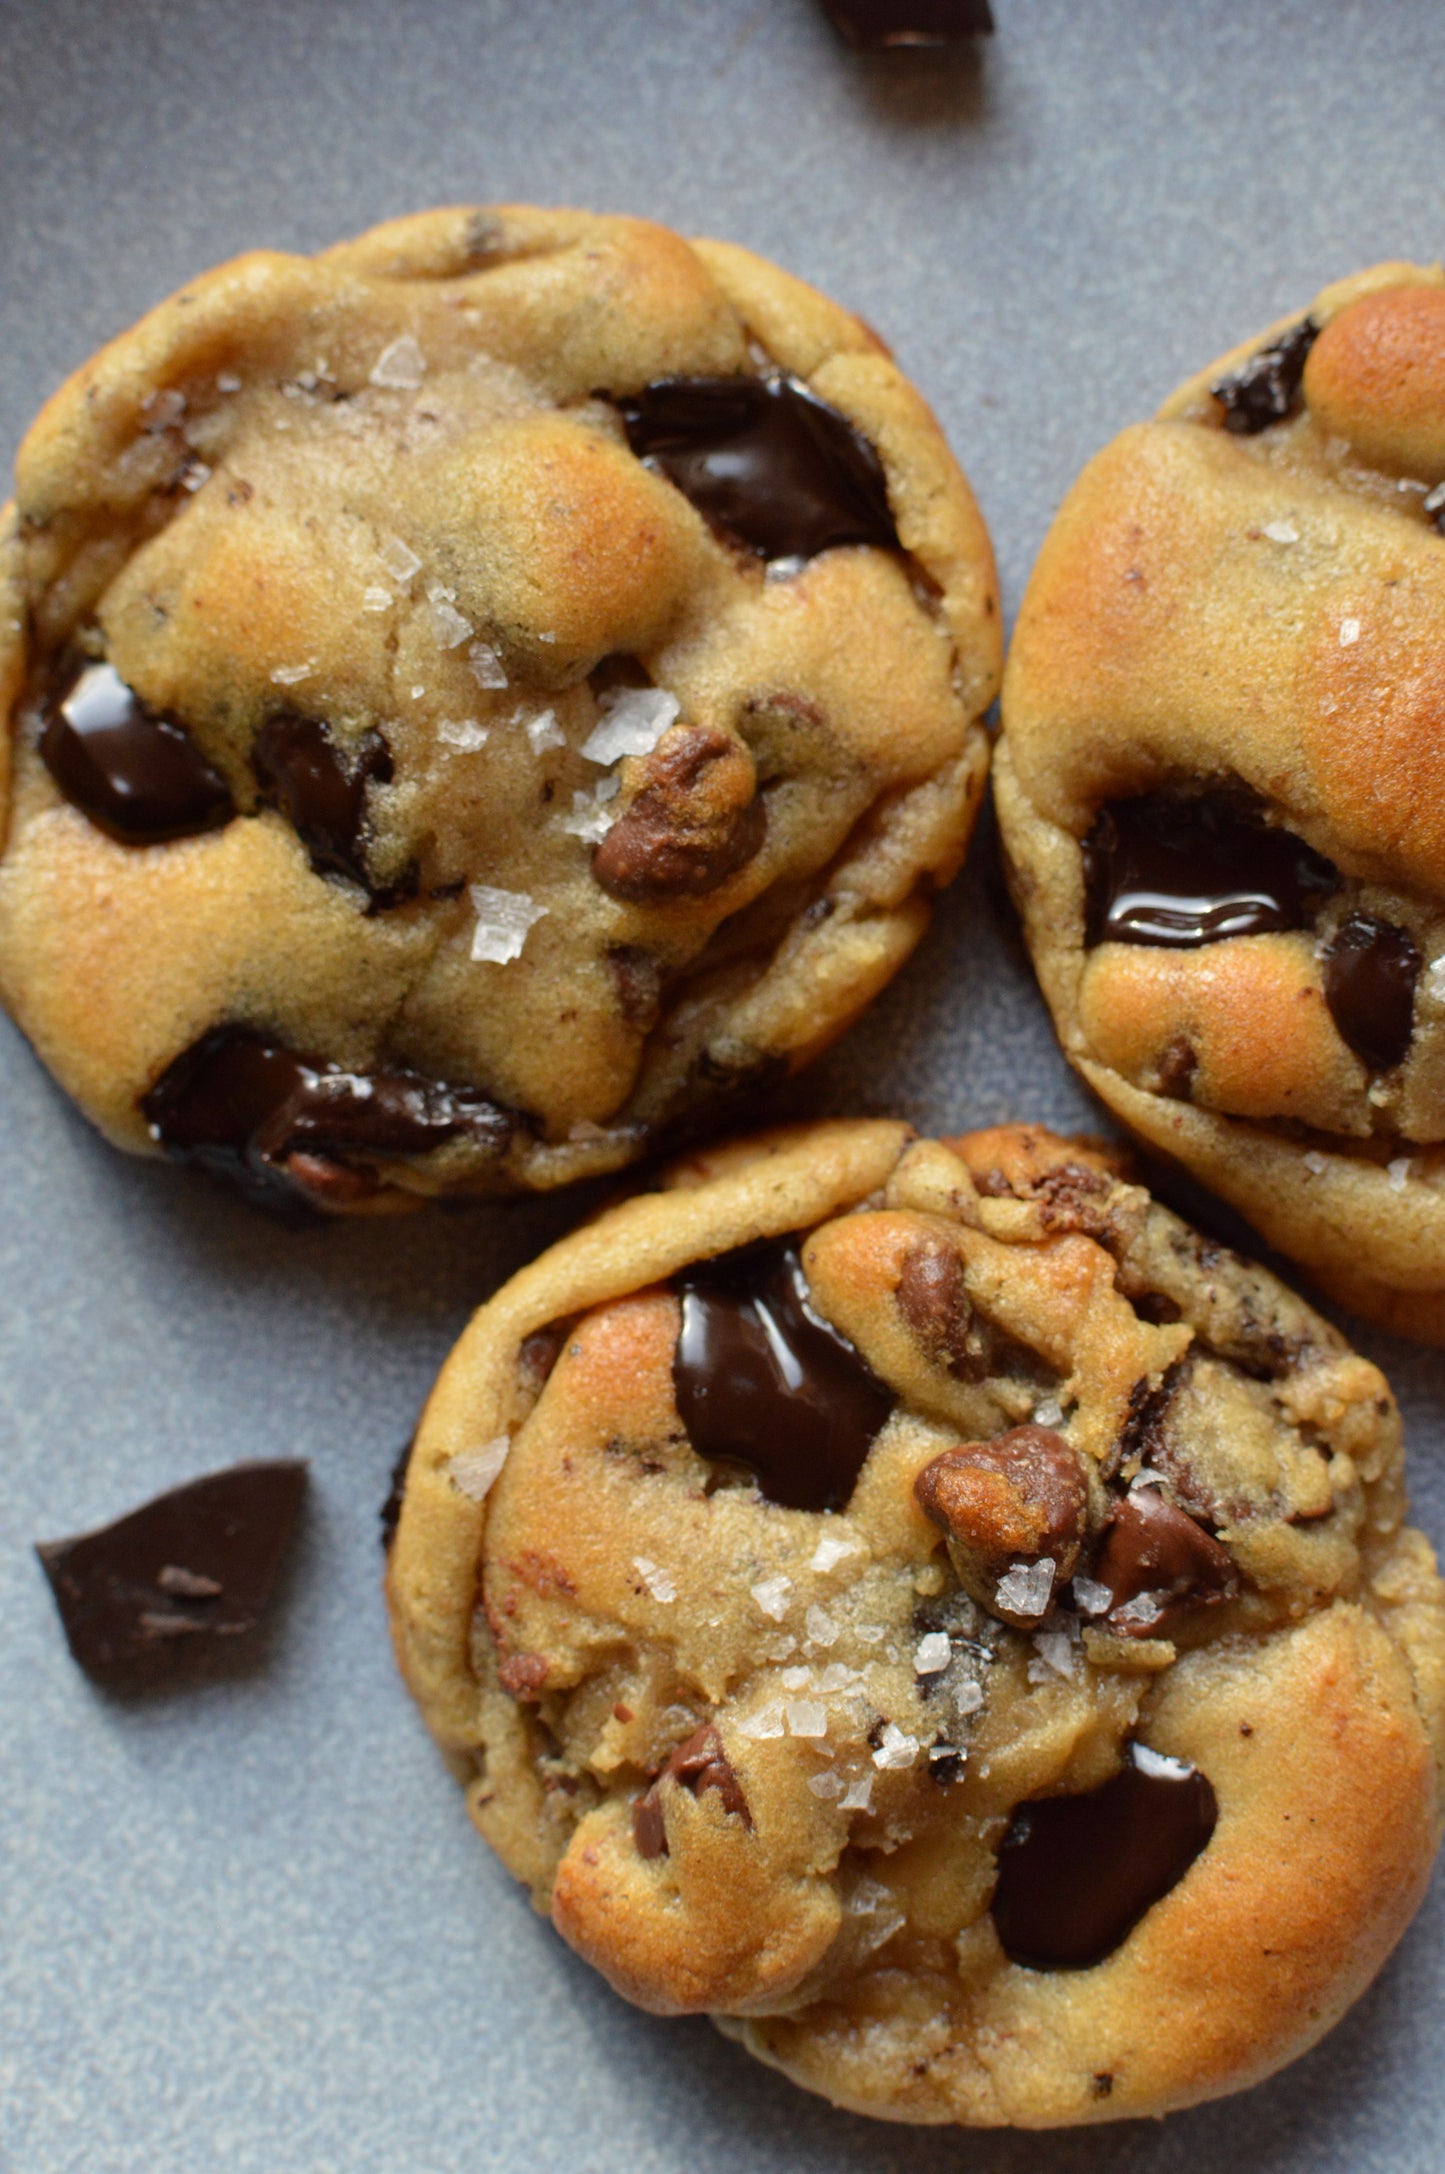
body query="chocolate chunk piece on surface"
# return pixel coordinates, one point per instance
(195, 1565)
(136, 773)
(1009, 1505)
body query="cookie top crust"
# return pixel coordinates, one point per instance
(477, 697)
(922, 1604)
(1222, 784)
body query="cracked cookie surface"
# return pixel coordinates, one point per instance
(1221, 779)
(922, 1604)
(476, 698)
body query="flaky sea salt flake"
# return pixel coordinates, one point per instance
(821, 1628)
(1056, 1651)
(1349, 633)
(806, 1717)
(291, 675)
(377, 599)
(544, 731)
(1025, 1590)
(895, 1751)
(826, 1784)
(400, 561)
(773, 1595)
(1091, 1598)
(831, 1551)
(227, 381)
(1281, 532)
(401, 366)
(473, 1471)
(657, 1580)
(486, 666)
(1050, 1413)
(858, 1796)
(633, 720)
(448, 625)
(932, 1653)
(1315, 1162)
(463, 733)
(1398, 1173)
(504, 921)
(766, 1723)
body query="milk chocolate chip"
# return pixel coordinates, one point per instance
(1370, 971)
(933, 1300)
(1076, 1874)
(283, 1126)
(1266, 389)
(763, 1381)
(194, 1565)
(696, 821)
(1158, 1564)
(136, 773)
(700, 1763)
(766, 460)
(1009, 1505)
(320, 790)
(1189, 872)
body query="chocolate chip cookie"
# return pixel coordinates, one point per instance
(925, 1606)
(1222, 785)
(475, 699)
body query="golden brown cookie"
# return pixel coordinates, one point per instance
(925, 1606)
(1222, 785)
(475, 698)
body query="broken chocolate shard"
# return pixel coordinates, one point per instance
(699, 1763)
(1158, 1563)
(1370, 971)
(766, 460)
(764, 1382)
(320, 790)
(136, 773)
(885, 25)
(1187, 872)
(1007, 1503)
(290, 1128)
(1076, 1874)
(1266, 388)
(194, 1565)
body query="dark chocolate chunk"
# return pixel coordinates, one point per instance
(1006, 1503)
(766, 460)
(1371, 968)
(700, 1763)
(137, 774)
(881, 24)
(1158, 1564)
(283, 1125)
(196, 1564)
(1076, 1874)
(1188, 872)
(389, 1514)
(763, 1381)
(696, 821)
(320, 790)
(1266, 389)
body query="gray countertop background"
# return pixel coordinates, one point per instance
(245, 1927)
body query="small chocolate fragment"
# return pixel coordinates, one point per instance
(696, 821)
(766, 460)
(389, 1515)
(284, 1126)
(1266, 389)
(1371, 968)
(1158, 1564)
(700, 1763)
(1076, 1874)
(1187, 872)
(195, 1564)
(886, 24)
(933, 1299)
(137, 774)
(320, 791)
(1006, 1504)
(763, 1381)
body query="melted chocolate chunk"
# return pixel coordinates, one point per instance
(700, 1763)
(1188, 872)
(1371, 968)
(196, 1564)
(765, 459)
(137, 774)
(320, 791)
(1076, 1874)
(696, 821)
(880, 24)
(1158, 1564)
(933, 1299)
(764, 1381)
(285, 1126)
(1266, 389)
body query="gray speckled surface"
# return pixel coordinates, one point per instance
(246, 1928)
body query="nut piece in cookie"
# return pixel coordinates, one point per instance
(1221, 778)
(923, 1605)
(475, 701)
